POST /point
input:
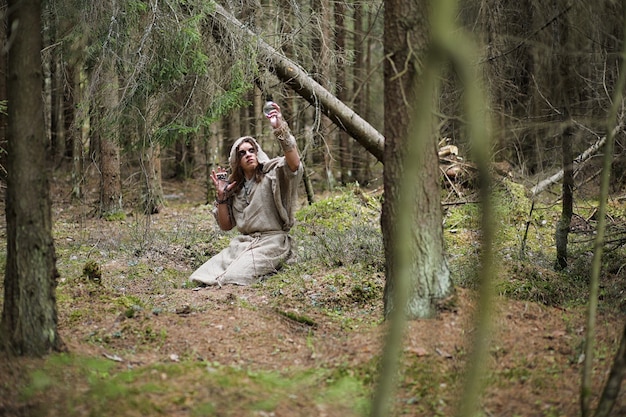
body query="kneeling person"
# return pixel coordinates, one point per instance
(260, 199)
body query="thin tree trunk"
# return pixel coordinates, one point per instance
(308, 140)
(151, 172)
(57, 127)
(29, 316)
(150, 160)
(343, 94)
(258, 106)
(109, 162)
(563, 92)
(567, 206)
(233, 124)
(73, 122)
(212, 151)
(320, 42)
(3, 90)
(359, 93)
(184, 156)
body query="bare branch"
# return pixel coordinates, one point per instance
(578, 161)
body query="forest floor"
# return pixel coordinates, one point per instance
(306, 342)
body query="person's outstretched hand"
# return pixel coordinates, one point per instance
(275, 116)
(220, 180)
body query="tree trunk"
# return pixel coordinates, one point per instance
(29, 317)
(258, 101)
(567, 207)
(150, 159)
(184, 156)
(151, 170)
(233, 124)
(57, 127)
(361, 161)
(320, 42)
(110, 175)
(429, 267)
(212, 151)
(3, 91)
(345, 152)
(298, 80)
(566, 86)
(72, 121)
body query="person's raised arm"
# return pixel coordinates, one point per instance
(284, 136)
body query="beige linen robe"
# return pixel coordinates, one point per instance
(263, 215)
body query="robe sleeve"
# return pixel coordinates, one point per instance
(284, 188)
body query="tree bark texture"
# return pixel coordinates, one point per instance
(3, 89)
(55, 63)
(342, 91)
(152, 195)
(110, 175)
(567, 206)
(406, 38)
(72, 125)
(321, 69)
(564, 99)
(225, 25)
(360, 90)
(29, 317)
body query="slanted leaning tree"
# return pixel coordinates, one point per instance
(29, 316)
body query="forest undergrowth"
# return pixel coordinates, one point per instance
(140, 340)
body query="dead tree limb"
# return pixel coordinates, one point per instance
(578, 161)
(299, 81)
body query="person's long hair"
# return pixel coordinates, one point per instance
(238, 175)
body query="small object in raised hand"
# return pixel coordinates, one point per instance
(268, 107)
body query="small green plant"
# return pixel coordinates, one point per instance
(113, 216)
(340, 231)
(92, 271)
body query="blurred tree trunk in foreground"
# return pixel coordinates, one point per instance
(29, 316)
(405, 43)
